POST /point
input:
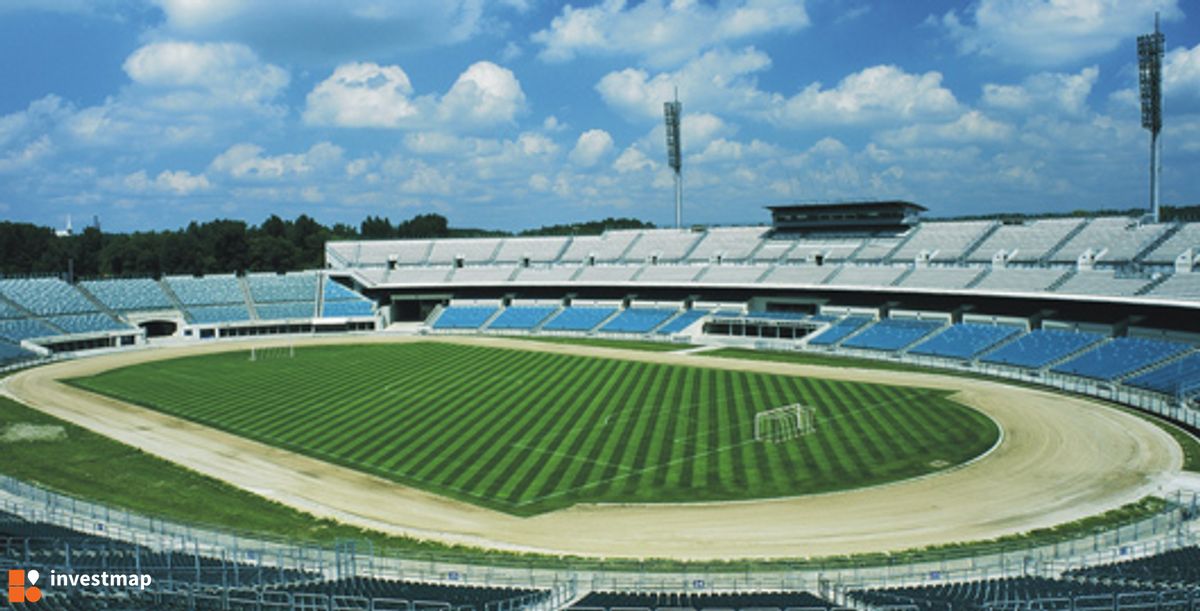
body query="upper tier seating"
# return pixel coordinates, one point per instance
(578, 318)
(1121, 356)
(799, 274)
(1187, 237)
(345, 253)
(965, 341)
(403, 252)
(944, 241)
(1041, 347)
(1114, 239)
(607, 273)
(207, 290)
(839, 330)
(1101, 283)
(831, 249)
(46, 296)
(25, 328)
(1179, 286)
(483, 274)
(86, 323)
(464, 317)
(537, 250)
(762, 601)
(893, 334)
(129, 295)
(878, 275)
(1172, 378)
(340, 301)
(666, 244)
(728, 243)
(773, 250)
(1017, 279)
(522, 317)
(607, 247)
(1028, 242)
(669, 273)
(683, 321)
(941, 277)
(419, 275)
(472, 251)
(265, 288)
(218, 314)
(7, 311)
(638, 320)
(556, 274)
(733, 274)
(876, 249)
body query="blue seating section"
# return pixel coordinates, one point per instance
(1171, 378)
(1121, 356)
(10, 354)
(583, 318)
(86, 323)
(464, 317)
(337, 292)
(893, 334)
(7, 311)
(637, 320)
(209, 290)
(266, 288)
(681, 322)
(46, 296)
(522, 317)
(777, 315)
(1041, 347)
(128, 295)
(285, 311)
(839, 330)
(218, 314)
(339, 309)
(965, 341)
(17, 330)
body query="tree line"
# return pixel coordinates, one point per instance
(224, 246)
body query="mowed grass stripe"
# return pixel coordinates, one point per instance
(528, 432)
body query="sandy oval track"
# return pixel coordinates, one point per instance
(1061, 458)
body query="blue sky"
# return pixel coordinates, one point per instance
(517, 113)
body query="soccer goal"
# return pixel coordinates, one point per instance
(262, 353)
(786, 423)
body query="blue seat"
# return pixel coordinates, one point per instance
(209, 290)
(1121, 356)
(965, 341)
(582, 318)
(839, 330)
(637, 320)
(1171, 378)
(25, 328)
(129, 294)
(464, 317)
(349, 308)
(10, 353)
(46, 296)
(681, 322)
(522, 317)
(218, 314)
(286, 311)
(1041, 347)
(892, 334)
(86, 323)
(266, 288)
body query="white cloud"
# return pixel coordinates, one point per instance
(718, 80)
(179, 182)
(187, 75)
(632, 159)
(246, 161)
(484, 94)
(369, 95)
(26, 156)
(1181, 78)
(972, 126)
(663, 33)
(1060, 92)
(592, 145)
(1052, 32)
(877, 94)
(721, 150)
(346, 29)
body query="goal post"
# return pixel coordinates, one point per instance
(780, 424)
(262, 353)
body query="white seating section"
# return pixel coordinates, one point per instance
(730, 244)
(474, 250)
(607, 247)
(799, 274)
(881, 275)
(1117, 238)
(405, 252)
(1020, 280)
(1179, 286)
(773, 250)
(558, 273)
(876, 249)
(831, 249)
(946, 241)
(1187, 237)
(539, 250)
(941, 277)
(1028, 242)
(665, 244)
(669, 273)
(607, 273)
(734, 274)
(484, 274)
(1101, 283)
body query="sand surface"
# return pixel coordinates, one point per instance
(1060, 459)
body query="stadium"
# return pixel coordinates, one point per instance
(841, 404)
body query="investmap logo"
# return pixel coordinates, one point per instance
(22, 586)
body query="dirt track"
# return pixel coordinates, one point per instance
(1061, 458)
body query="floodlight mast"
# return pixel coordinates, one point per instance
(1150, 54)
(671, 113)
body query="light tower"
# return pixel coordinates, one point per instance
(672, 112)
(1150, 54)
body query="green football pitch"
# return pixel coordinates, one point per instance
(527, 432)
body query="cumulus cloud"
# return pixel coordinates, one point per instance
(719, 80)
(1051, 32)
(177, 182)
(592, 145)
(972, 126)
(346, 29)
(632, 159)
(369, 95)
(186, 75)
(663, 33)
(246, 161)
(874, 95)
(1057, 91)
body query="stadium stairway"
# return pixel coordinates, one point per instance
(1154, 282)
(969, 249)
(1172, 229)
(621, 257)
(904, 275)
(97, 303)
(978, 279)
(1075, 354)
(1049, 256)
(1156, 365)
(900, 245)
(1057, 284)
(176, 302)
(1005, 342)
(245, 286)
(830, 277)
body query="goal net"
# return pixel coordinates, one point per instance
(786, 423)
(263, 353)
